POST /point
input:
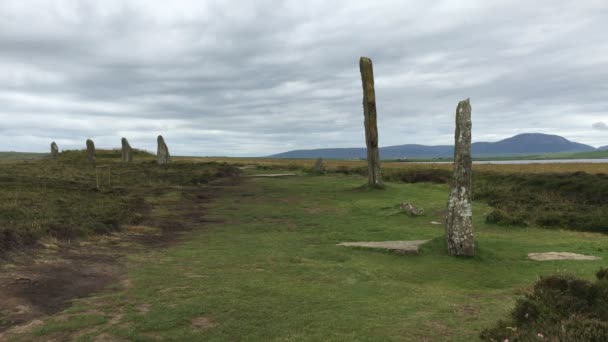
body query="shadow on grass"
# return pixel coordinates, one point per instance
(438, 247)
(368, 188)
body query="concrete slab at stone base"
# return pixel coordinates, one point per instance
(560, 256)
(399, 247)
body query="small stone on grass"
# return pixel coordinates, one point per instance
(411, 209)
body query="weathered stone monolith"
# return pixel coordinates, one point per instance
(90, 150)
(371, 129)
(459, 224)
(54, 151)
(162, 152)
(127, 151)
(319, 166)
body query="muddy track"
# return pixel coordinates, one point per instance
(41, 281)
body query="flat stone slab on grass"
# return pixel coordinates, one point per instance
(399, 247)
(560, 256)
(247, 167)
(273, 175)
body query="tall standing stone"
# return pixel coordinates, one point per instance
(371, 129)
(162, 152)
(459, 225)
(127, 151)
(54, 151)
(90, 150)
(319, 166)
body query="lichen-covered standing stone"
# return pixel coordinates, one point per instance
(459, 225)
(319, 166)
(371, 129)
(54, 151)
(90, 150)
(127, 151)
(162, 152)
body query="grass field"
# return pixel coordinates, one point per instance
(20, 156)
(333, 165)
(266, 268)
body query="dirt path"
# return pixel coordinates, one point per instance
(42, 281)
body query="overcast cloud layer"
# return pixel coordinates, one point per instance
(253, 78)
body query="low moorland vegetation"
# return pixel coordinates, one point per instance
(60, 198)
(558, 308)
(19, 156)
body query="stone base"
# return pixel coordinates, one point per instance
(399, 247)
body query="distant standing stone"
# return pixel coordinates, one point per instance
(371, 129)
(90, 150)
(319, 166)
(459, 226)
(162, 152)
(127, 151)
(54, 151)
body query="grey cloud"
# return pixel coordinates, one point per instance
(601, 126)
(259, 77)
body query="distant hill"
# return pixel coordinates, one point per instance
(603, 148)
(522, 144)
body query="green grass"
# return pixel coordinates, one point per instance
(569, 200)
(270, 270)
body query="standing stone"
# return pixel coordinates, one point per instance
(162, 152)
(90, 150)
(319, 166)
(127, 151)
(459, 225)
(54, 151)
(371, 130)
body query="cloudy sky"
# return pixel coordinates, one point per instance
(251, 78)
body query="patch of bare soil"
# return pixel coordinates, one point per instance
(38, 282)
(143, 308)
(202, 323)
